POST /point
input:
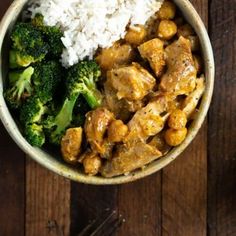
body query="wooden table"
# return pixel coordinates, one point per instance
(193, 196)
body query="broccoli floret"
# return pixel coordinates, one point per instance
(31, 116)
(37, 21)
(19, 87)
(28, 45)
(81, 80)
(19, 59)
(52, 35)
(32, 111)
(46, 78)
(34, 134)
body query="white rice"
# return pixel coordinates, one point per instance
(89, 24)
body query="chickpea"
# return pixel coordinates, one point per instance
(92, 163)
(195, 44)
(198, 63)
(167, 29)
(175, 137)
(167, 11)
(177, 119)
(70, 145)
(136, 35)
(185, 30)
(117, 131)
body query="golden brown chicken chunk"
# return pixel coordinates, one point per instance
(113, 104)
(180, 77)
(158, 141)
(127, 159)
(153, 51)
(131, 82)
(96, 124)
(121, 108)
(71, 144)
(191, 101)
(149, 120)
(114, 56)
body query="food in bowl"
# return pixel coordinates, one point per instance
(113, 96)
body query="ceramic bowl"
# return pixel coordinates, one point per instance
(53, 161)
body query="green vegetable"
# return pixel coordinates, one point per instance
(31, 116)
(28, 45)
(32, 111)
(52, 35)
(19, 87)
(46, 79)
(82, 80)
(34, 134)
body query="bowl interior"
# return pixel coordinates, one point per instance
(51, 159)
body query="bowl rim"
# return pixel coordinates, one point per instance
(44, 159)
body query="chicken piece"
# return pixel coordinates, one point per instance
(112, 103)
(92, 163)
(158, 141)
(71, 144)
(136, 35)
(190, 103)
(96, 124)
(134, 106)
(117, 131)
(114, 56)
(180, 77)
(148, 121)
(131, 82)
(127, 159)
(153, 51)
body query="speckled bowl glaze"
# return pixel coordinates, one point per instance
(54, 162)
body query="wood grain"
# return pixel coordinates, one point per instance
(47, 202)
(140, 205)
(12, 178)
(184, 181)
(90, 203)
(172, 202)
(222, 129)
(12, 186)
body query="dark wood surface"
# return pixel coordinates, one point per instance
(193, 196)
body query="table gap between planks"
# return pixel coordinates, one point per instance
(193, 196)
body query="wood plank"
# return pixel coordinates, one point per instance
(89, 203)
(184, 183)
(140, 205)
(222, 132)
(47, 202)
(12, 185)
(12, 172)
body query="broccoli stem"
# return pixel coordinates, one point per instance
(93, 97)
(63, 119)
